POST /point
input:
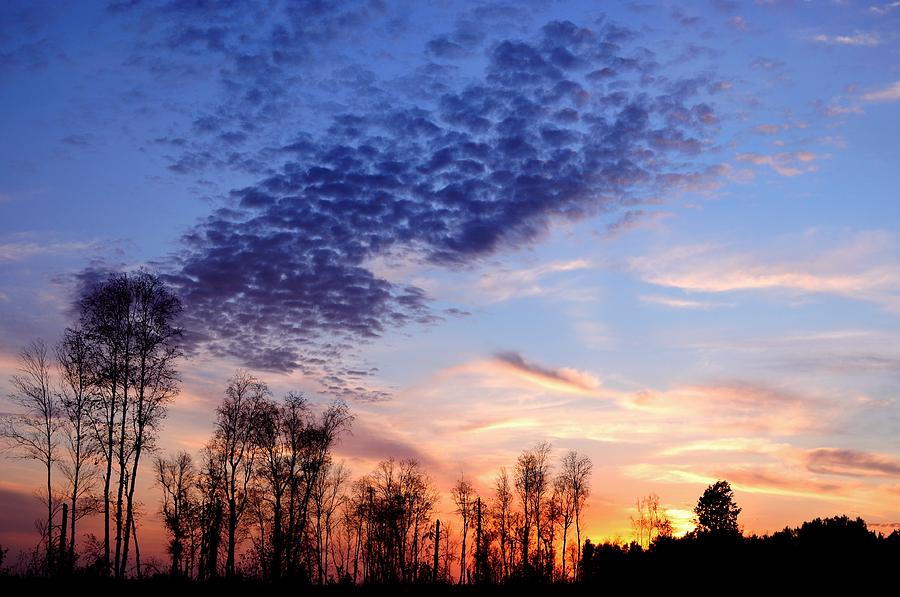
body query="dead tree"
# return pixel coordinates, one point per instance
(34, 431)
(577, 469)
(177, 479)
(502, 513)
(153, 311)
(78, 398)
(463, 494)
(235, 440)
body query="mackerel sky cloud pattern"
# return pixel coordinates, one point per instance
(570, 124)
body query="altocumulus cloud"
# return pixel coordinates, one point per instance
(571, 123)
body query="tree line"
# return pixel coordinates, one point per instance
(266, 498)
(89, 409)
(267, 485)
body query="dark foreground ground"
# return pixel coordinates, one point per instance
(825, 581)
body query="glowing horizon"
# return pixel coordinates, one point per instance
(666, 238)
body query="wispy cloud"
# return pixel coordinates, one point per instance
(860, 38)
(884, 9)
(733, 407)
(864, 268)
(748, 479)
(833, 461)
(789, 163)
(17, 251)
(754, 445)
(506, 284)
(564, 379)
(891, 93)
(681, 303)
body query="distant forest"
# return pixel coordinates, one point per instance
(265, 501)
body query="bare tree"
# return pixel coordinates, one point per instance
(78, 400)
(235, 441)
(398, 500)
(275, 473)
(502, 510)
(210, 512)
(576, 470)
(651, 521)
(153, 311)
(104, 319)
(531, 480)
(34, 432)
(463, 494)
(565, 499)
(328, 497)
(177, 478)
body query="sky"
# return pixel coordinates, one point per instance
(666, 235)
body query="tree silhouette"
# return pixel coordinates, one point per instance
(717, 512)
(79, 402)
(463, 494)
(34, 431)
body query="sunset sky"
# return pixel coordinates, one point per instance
(664, 234)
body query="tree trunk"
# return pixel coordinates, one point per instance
(232, 532)
(62, 539)
(120, 493)
(437, 543)
(49, 512)
(129, 518)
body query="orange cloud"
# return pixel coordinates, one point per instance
(833, 461)
(790, 163)
(863, 267)
(734, 407)
(565, 379)
(891, 93)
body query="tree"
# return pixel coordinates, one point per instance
(564, 498)
(502, 515)
(463, 494)
(328, 497)
(34, 432)
(275, 473)
(577, 470)
(78, 400)
(104, 319)
(531, 481)
(717, 512)
(177, 478)
(210, 487)
(651, 521)
(235, 440)
(128, 323)
(153, 311)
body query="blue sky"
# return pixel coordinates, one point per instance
(665, 234)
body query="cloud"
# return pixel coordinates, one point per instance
(565, 379)
(680, 303)
(279, 273)
(725, 444)
(768, 129)
(766, 64)
(862, 267)
(503, 285)
(767, 480)
(17, 251)
(738, 23)
(833, 461)
(790, 163)
(884, 9)
(732, 407)
(862, 39)
(635, 219)
(891, 93)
